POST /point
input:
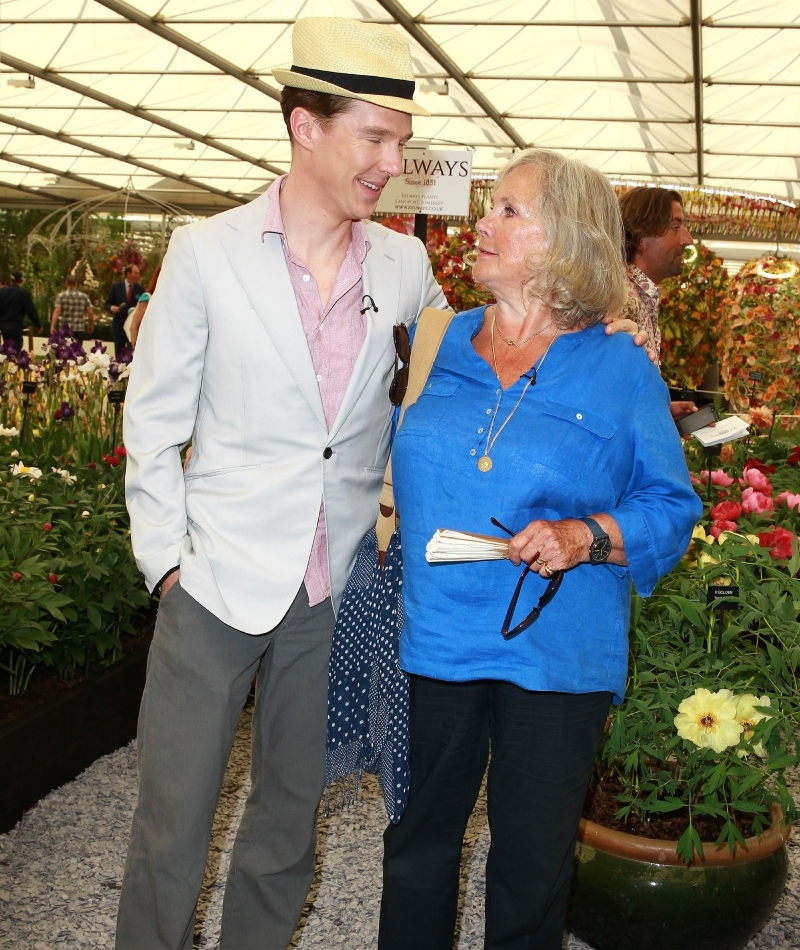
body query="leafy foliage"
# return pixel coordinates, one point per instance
(690, 317)
(761, 333)
(673, 652)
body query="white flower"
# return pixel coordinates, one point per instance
(8, 433)
(709, 719)
(15, 454)
(96, 363)
(65, 475)
(84, 514)
(26, 471)
(12, 368)
(124, 372)
(3, 358)
(31, 497)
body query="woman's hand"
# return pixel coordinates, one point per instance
(559, 545)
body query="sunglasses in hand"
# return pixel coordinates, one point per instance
(553, 583)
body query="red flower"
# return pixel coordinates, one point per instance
(779, 541)
(16, 576)
(111, 460)
(120, 452)
(47, 526)
(758, 464)
(92, 465)
(794, 457)
(722, 525)
(53, 578)
(726, 511)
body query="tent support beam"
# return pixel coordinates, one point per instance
(412, 27)
(106, 153)
(178, 39)
(49, 75)
(38, 193)
(696, 15)
(48, 170)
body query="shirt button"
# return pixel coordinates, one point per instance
(472, 451)
(480, 430)
(306, 278)
(579, 415)
(319, 378)
(328, 452)
(488, 412)
(497, 392)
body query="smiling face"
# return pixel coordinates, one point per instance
(511, 237)
(352, 156)
(661, 257)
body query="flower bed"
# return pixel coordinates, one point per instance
(69, 583)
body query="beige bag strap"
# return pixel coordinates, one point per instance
(431, 328)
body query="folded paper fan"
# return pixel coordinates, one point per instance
(447, 545)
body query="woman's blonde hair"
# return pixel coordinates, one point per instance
(582, 272)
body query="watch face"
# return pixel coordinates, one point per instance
(599, 550)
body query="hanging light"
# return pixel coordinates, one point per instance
(789, 269)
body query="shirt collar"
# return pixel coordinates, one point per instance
(273, 223)
(643, 282)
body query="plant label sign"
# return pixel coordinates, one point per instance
(432, 182)
(755, 376)
(116, 396)
(716, 593)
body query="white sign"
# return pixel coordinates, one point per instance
(432, 183)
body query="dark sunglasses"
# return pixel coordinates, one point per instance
(402, 355)
(550, 592)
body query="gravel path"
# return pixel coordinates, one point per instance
(60, 868)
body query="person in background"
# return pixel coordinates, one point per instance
(132, 329)
(533, 417)
(15, 306)
(655, 238)
(123, 297)
(74, 310)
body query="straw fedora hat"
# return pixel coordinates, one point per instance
(351, 58)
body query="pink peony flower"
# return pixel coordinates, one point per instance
(718, 477)
(788, 499)
(719, 526)
(756, 479)
(755, 501)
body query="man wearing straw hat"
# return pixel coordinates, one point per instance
(269, 345)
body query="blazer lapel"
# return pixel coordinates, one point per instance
(261, 270)
(381, 280)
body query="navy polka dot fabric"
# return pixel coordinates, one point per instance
(367, 690)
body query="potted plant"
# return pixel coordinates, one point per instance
(689, 809)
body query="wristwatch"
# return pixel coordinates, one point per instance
(600, 547)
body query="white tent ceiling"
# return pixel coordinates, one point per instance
(175, 98)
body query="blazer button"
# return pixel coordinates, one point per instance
(327, 453)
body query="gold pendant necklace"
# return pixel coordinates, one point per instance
(484, 462)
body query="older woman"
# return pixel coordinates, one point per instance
(533, 417)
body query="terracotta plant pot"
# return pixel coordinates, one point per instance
(632, 893)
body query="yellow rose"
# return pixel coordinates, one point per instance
(709, 719)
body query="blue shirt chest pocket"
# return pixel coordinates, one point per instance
(572, 440)
(425, 416)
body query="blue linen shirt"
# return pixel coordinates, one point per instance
(594, 434)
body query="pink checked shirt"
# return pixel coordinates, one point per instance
(335, 336)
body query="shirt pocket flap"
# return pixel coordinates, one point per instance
(581, 417)
(441, 386)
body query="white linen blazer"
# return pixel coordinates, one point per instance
(222, 359)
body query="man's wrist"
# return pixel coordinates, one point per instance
(169, 574)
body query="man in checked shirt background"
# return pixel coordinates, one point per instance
(73, 309)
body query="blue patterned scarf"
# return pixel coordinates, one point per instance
(368, 693)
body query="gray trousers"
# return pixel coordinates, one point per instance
(198, 677)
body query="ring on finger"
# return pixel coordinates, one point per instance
(547, 569)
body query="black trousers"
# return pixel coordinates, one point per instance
(121, 340)
(13, 335)
(543, 749)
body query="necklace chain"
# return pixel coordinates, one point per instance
(512, 342)
(485, 463)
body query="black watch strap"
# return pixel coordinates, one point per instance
(600, 548)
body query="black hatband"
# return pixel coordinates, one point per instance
(367, 85)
